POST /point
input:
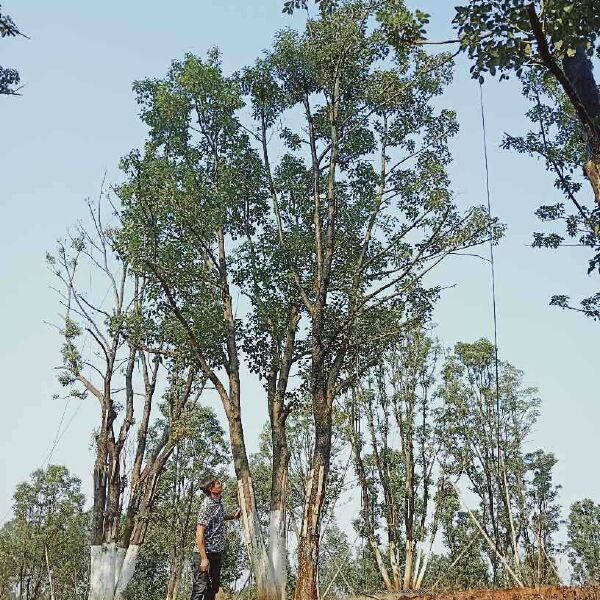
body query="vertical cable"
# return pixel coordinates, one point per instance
(493, 275)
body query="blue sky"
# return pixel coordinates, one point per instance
(77, 117)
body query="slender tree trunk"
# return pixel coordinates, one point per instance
(367, 515)
(173, 583)
(277, 382)
(278, 515)
(308, 549)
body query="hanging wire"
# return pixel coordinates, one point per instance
(493, 278)
(492, 262)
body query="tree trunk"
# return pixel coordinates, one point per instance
(308, 549)
(257, 552)
(102, 571)
(579, 71)
(367, 515)
(278, 516)
(127, 569)
(408, 564)
(173, 584)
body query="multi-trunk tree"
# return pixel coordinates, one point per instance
(397, 463)
(194, 202)
(328, 244)
(359, 197)
(117, 351)
(488, 417)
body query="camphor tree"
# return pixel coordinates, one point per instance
(43, 547)
(119, 351)
(341, 244)
(551, 47)
(584, 541)
(360, 201)
(397, 478)
(193, 202)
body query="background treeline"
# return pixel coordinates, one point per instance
(423, 430)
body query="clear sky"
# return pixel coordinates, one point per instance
(77, 117)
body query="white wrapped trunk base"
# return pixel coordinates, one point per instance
(127, 570)
(277, 552)
(102, 572)
(111, 570)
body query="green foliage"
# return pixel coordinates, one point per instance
(388, 175)
(559, 141)
(48, 516)
(498, 35)
(542, 518)
(465, 565)
(9, 78)
(584, 541)
(196, 179)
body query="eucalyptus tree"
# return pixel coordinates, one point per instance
(551, 47)
(583, 528)
(488, 418)
(360, 198)
(119, 351)
(401, 414)
(43, 547)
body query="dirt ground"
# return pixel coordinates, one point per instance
(544, 593)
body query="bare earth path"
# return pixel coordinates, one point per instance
(545, 593)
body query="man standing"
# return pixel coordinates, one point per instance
(210, 541)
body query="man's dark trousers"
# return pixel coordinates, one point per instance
(206, 583)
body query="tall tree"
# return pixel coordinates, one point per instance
(43, 548)
(551, 47)
(9, 78)
(130, 355)
(360, 200)
(584, 541)
(194, 201)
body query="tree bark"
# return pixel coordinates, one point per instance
(308, 549)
